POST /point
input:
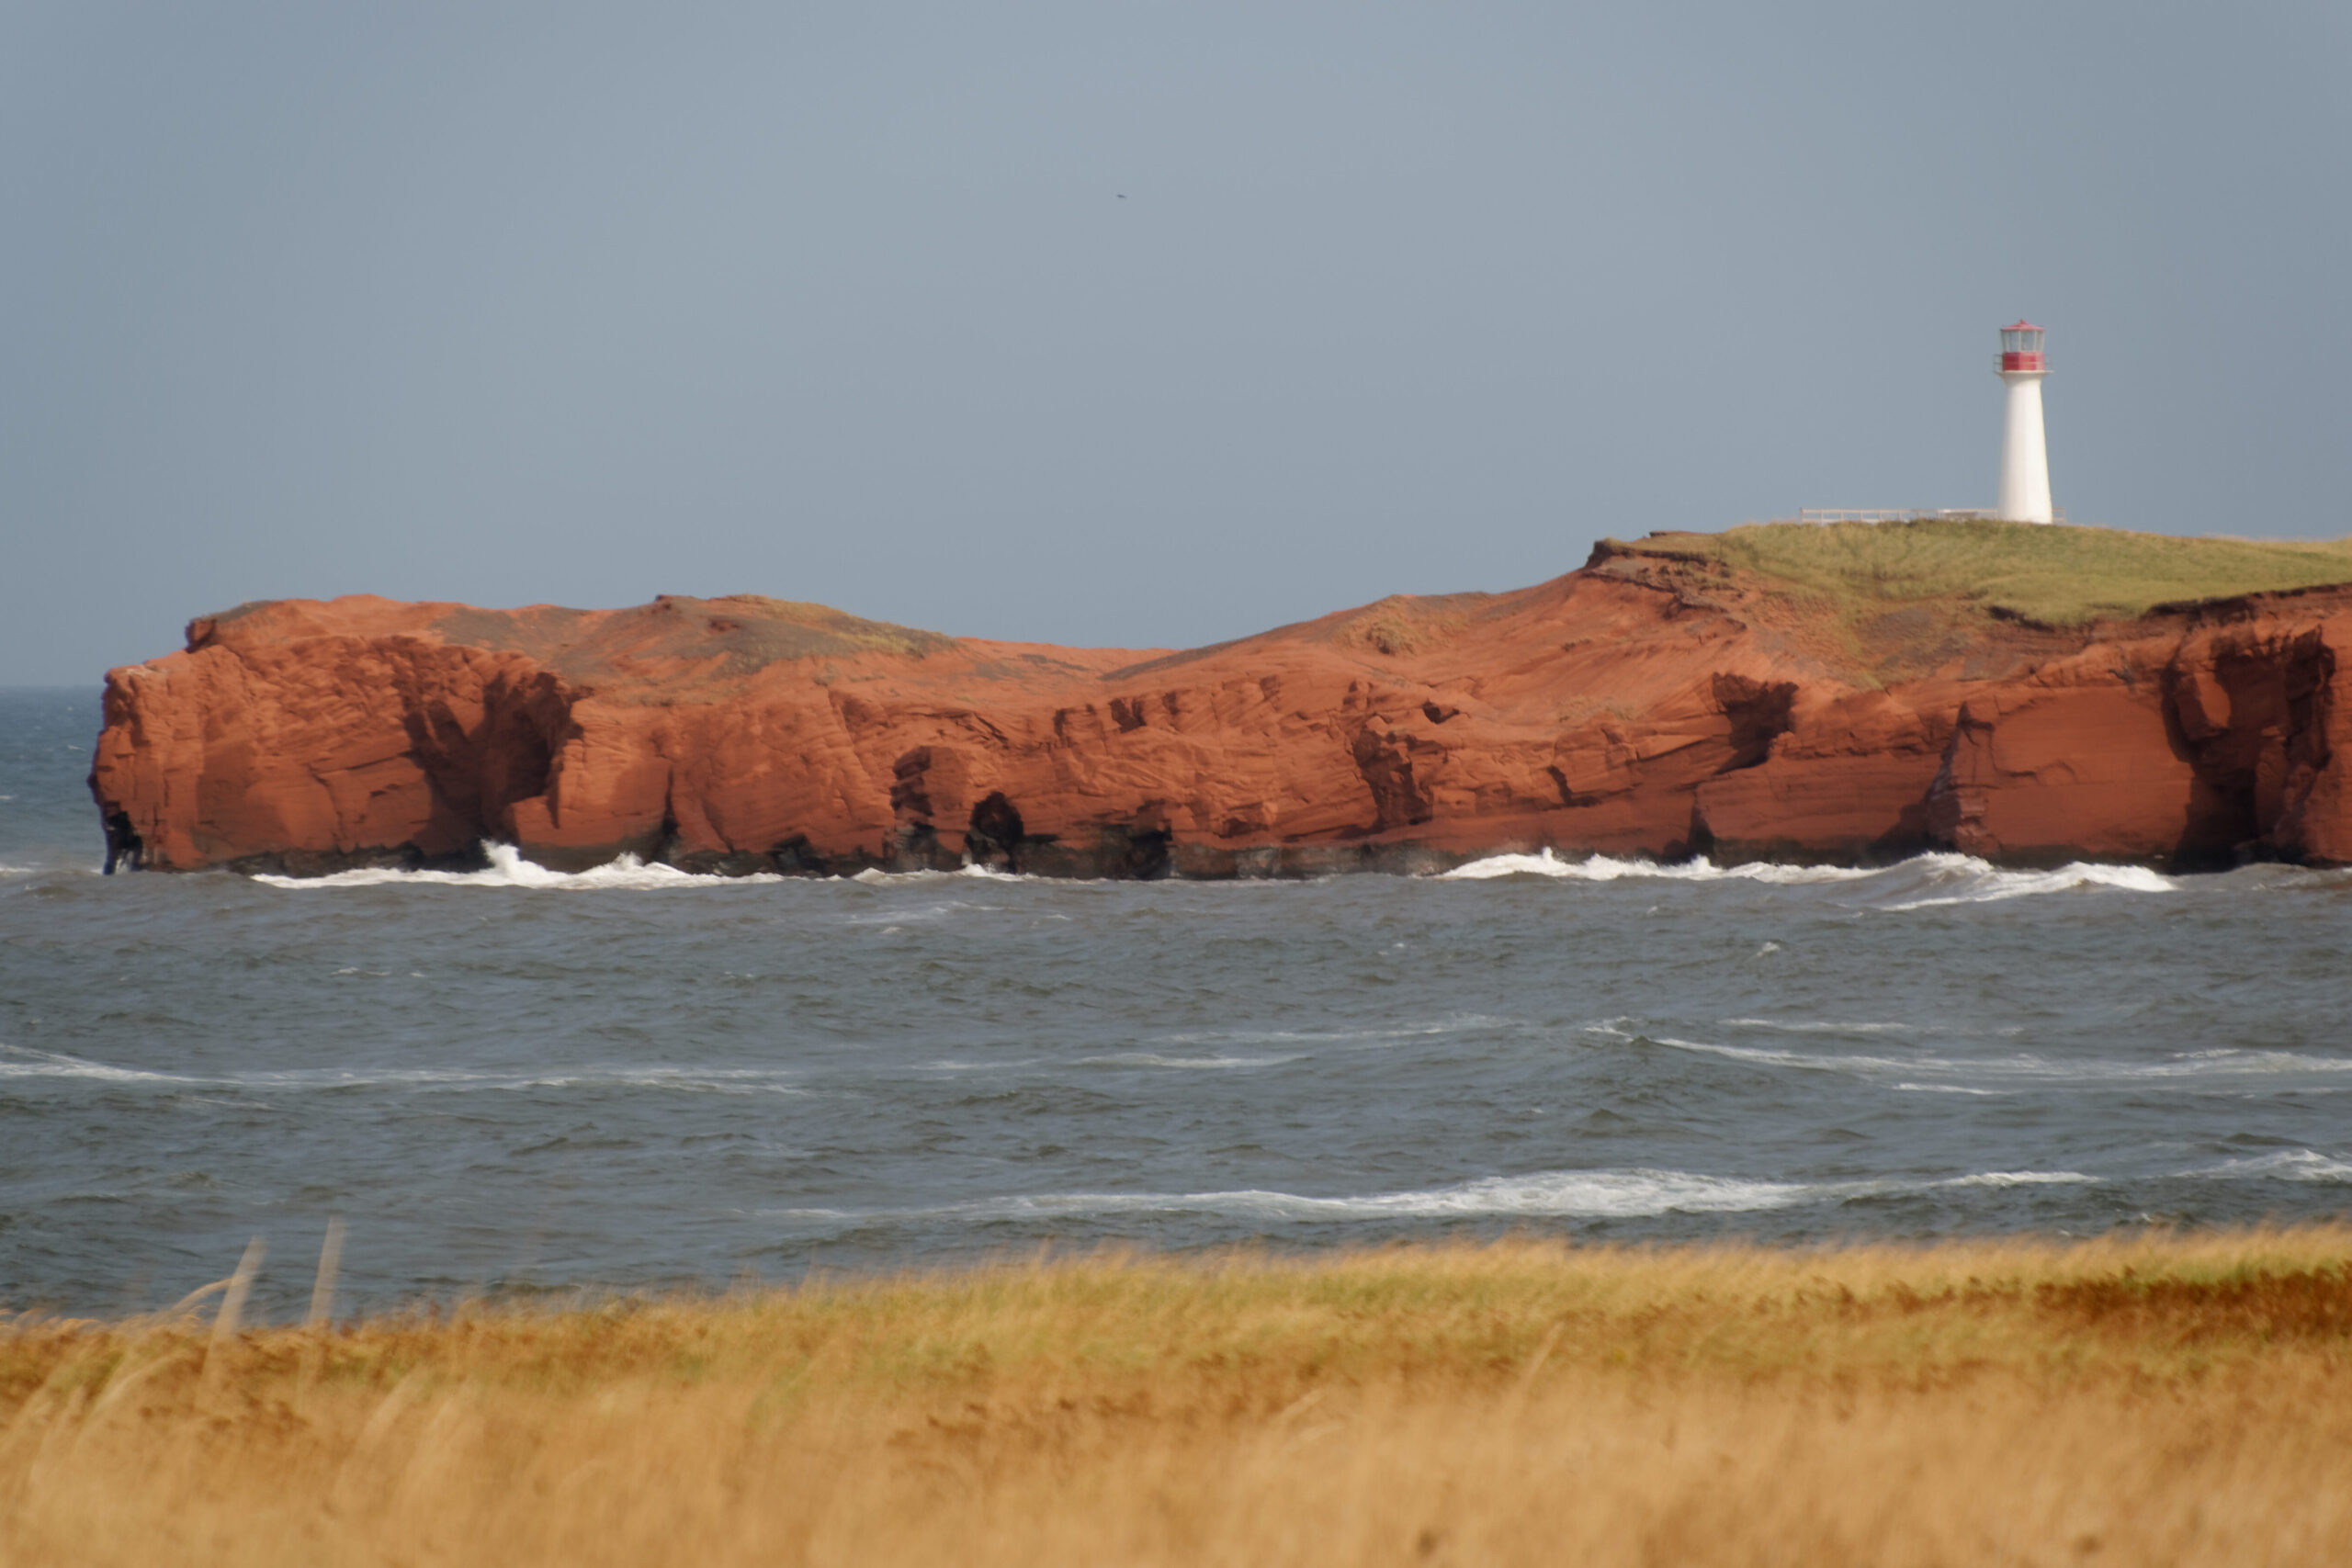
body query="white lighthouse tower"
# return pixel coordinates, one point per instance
(2025, 456)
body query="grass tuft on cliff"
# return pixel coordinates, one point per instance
(2054, 576)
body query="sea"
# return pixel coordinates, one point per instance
(514, 1084)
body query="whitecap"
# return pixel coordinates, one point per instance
(1153, 1059)
(2199, 1067)
(1588, 1193)
(23, 1062)
(590, 1076)
(55, 868)
(1934, 880)
(507, 868)
(1976, 882)
(1812, 1026)
(20, 1062)
(1463, 1024)
(2286, 1165)
(1630, 1193)
(893, 916)
(2020, 1178)
(1762, 1055)
(1611, 868)
(873, 876)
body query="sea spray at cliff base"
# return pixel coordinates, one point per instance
(507, 868)
(516, 1079)
(1922, 882)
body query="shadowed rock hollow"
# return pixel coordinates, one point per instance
(1812, 695)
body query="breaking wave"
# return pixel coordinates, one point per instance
(21, 1063)
(2286, 1165)
(872, 876)
(1193, 1064)
(507, 868)
(2020, 1069)
(1564, 1194)
(1964, 879)
(1631, 1193)
(1594, 1193)
(1923, 881)
(1608, 868)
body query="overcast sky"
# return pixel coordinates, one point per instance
(1129, 323)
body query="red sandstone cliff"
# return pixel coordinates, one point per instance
(1651, 702)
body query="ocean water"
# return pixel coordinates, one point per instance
(516, 1081)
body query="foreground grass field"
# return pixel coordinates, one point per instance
(2058, 575)
(2144, 1402)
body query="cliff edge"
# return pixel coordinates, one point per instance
(1848, 694)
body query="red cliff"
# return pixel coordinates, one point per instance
(1661, 701)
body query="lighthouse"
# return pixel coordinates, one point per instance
(2025, 456)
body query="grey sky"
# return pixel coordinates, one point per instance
(584, 304)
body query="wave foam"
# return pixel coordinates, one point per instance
(2197, 1067)
(2286, 1165)
(1923, 881)
(2020, 1178)
(1812, 1026)
(872, 876)
(1591, 1194)
(22, 1063)
(1610, 868)
(1631, 1193)
(1976, 882)
(507, 868)
(1461, 1024)
(1153, 1059)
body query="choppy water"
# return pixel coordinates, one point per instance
(517, 1080)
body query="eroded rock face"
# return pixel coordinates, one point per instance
(2189, 740)
(1644, 704)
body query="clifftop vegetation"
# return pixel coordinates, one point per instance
(2053, 576)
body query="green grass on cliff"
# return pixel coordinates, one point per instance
(2058, 576)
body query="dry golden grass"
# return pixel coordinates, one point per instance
(2151, 1401)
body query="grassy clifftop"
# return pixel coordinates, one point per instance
(2057, 576)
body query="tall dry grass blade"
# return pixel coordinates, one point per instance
(233, 1308)
(330, 1260)
(233, 1300)
(1535, 1362)
(187, 1303)
(314, 1352)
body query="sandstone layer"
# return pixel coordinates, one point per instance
(1655, 702)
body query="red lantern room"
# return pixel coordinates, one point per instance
(2021, 347)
